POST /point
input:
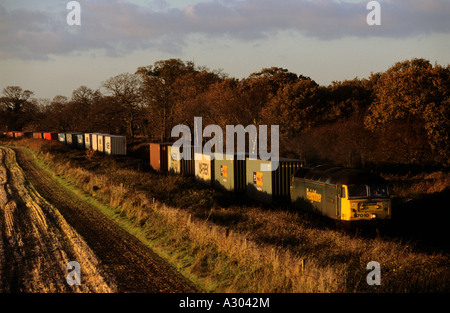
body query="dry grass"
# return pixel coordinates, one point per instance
(411, 185)
(245, 248)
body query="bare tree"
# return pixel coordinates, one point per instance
(126, 89)
(13, 100)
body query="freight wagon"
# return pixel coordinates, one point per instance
(229, 172)
(173, 160)
(79, 141)
(204, 167)
(341, 193)
(88, 140)
(17, 134)
(50, 136)
(270, 186)
(100, 143)
(159, 156)
(115, 145)
(62, 138)
(94, 141)
(71, 139)
(180, 161)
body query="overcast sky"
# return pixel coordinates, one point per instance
(324, 39)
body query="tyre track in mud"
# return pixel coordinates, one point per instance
(36, 243)
(125, 263)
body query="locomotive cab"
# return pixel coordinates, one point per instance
(365, 202)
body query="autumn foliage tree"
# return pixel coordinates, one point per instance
(416, 93)
(347, 98)
(294, 107)
(158, 90)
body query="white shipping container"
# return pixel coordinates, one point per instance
(204, 167)
(101, 143)
(174, 159)
(88, 140)
(115, 145)
(94, 141)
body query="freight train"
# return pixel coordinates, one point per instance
(105, 143)
(342, 194)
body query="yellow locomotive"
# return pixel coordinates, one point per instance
(341, 193)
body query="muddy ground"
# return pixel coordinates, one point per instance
(43, 228)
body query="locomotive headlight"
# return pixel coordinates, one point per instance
(374, 215)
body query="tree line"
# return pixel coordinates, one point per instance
(400, 116)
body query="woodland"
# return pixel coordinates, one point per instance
(396, 117)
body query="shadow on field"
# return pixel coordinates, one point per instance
(423, 220)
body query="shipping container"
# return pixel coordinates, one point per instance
(204, 167)
(79, 141)
(188, 162)
(101, 142)
(181, 161)
(173, 160)
(71, 139)
(270, 186)
(18, 134)
(159, 156)
(115, 145)
(37, 135)
(50, 136)
(88, 140)
(229, 172)
(62, 138)
(94, 141)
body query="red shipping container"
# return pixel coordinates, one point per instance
(159, 157)
(50, 136)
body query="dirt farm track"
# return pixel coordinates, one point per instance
(43, 228)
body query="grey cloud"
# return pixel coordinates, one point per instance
(119, 27)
